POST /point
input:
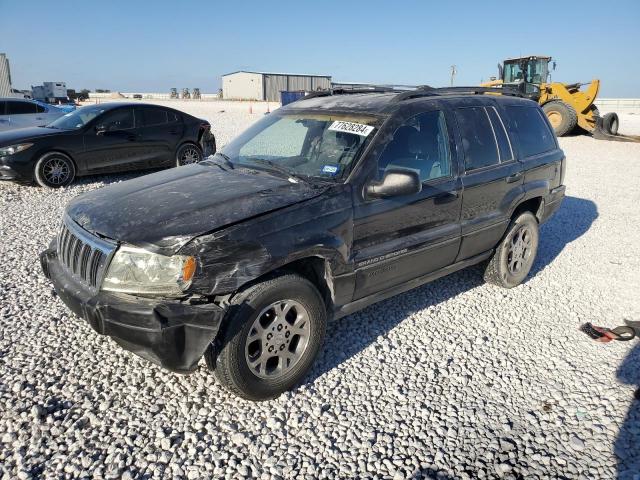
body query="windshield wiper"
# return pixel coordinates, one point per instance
(278, 168)
(227, 160)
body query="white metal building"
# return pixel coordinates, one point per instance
(5, 76)
(244, 85)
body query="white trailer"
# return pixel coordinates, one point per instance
(50, 92)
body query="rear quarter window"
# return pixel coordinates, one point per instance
(533, 132)
(153, 116)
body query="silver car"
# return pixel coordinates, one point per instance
(21, 113)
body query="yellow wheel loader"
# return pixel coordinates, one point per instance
(566, 105)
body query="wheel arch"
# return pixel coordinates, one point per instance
(314, 268)
(187, 142)
(534, 205)
(46, 151)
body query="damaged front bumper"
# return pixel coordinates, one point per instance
(171, 333)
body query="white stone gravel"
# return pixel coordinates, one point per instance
(456, 379)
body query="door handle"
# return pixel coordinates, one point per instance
(445, 197)
(132, 137)
(514, 178)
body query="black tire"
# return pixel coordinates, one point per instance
(54, 170)
(500, 269)
(187, 154)
(228, 357)
(561, 115)
(610, 123)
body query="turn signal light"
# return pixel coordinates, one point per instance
(188, 269)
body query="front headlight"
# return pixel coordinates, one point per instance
(11, 149)
(138, 271)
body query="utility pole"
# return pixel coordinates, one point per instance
(454, 70)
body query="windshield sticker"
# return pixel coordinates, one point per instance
(331, 169)
(349, 127)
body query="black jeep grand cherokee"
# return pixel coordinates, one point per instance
(327, 205)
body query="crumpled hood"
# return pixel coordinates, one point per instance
(164, 210)
(18, 135)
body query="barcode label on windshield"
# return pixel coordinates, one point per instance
(349, 127)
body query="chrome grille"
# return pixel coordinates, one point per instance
(82, 254)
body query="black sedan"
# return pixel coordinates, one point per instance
(110, 137)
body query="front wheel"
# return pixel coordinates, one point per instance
(515, 254)
(188, 154)
(270, 337)
(54, 170)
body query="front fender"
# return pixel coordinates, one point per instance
(228, 259)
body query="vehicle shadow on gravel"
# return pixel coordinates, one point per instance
(571, 221)
(352, 334)
(627, 445)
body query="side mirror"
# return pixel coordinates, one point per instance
(396, 182)
(500, 72)
(101, 129)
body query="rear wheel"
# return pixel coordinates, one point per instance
(54, 170)
(271, 336)
(515, 255)
(562, 116)
(188, 154)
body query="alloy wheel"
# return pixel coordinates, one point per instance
(520, 248)
(278, 339)
(189, 155)
(56, 171)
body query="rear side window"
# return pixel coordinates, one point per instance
(20, 108)
(153, 116)
(534, 134)
(478, 138)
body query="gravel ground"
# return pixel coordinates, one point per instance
(456, 379)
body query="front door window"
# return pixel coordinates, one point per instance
(420, 144)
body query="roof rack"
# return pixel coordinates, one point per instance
(419, 91)
(427, 91)
(349, 91)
